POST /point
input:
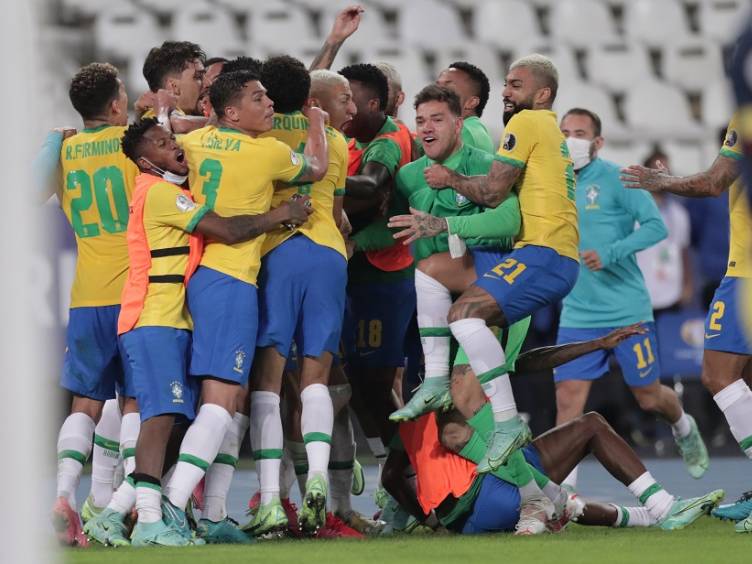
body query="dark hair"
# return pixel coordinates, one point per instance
(93, 88)
(242, 63)
(597, 127)
(434, 92)
(214, 60)
(372, 77)
(172, 57)
(227, 88)
(134, 134)
(479, 78)
(287, 83)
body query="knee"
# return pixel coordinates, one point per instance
(648, 400)
(454, 436)
(458, 311)
(594, 422)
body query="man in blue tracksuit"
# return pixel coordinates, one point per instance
(610, 291)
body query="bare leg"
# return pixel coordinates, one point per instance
(571, 396)
(659, 399)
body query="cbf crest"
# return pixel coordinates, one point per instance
(591, 194)
(177, 391)
(239, 361)
(460, 199)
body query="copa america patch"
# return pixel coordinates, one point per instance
(731, 138)
(509, 142)
(294, 158)
(184, 203)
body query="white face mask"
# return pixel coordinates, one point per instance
(579, 150)
(166, 175)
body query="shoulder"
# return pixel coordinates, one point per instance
(197, 134)
(410, 170)
(336, 141)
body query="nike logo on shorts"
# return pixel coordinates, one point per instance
(713, 336)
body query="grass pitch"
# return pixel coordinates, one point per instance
(708, 540)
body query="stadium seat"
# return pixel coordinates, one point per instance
(582, 23)
(240, 7)
(720, 19)
(617, 66)
(507, 24)
(125, 32)
(594, 98)
(210, 26)
(685, 157)
(659, 110)
(426, 24)
(624, 153)
(167, 7)
(717, 104)
(692, 65)
(656, 23)
(82, 8)
(274, 24)
(480, 55)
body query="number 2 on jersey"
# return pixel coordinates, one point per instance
(109, 189)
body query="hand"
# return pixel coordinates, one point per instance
(616, 336)
(437, 176)
(650, 179)
(591, 260)
(66, 131)
(350, 248)
(344, 226)
(315, 114)
(146, 101)
(297, 211)
(346, 23)
(165, 101)
(418, 225)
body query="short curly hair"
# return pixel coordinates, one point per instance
(287, 83)
(227, 88)
(133, 136)
(372, 77)
(479, 78)
(93, 88)
(436, 93)
(170, 58)
(242, 63)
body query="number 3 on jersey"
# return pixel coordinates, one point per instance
(211, 171)
(109, 190)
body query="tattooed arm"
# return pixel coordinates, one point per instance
(712, 182)
(345, 24)
(487, 190)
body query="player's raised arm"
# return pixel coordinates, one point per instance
(345, 24)
(46, 165)
(316, 150)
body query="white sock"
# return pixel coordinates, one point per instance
(652, 495)
(571, 479)
(166, 477)
(735, 400)
(316, 422)
(73, 448)
(267, 441)
(554, 491)
(130, 425)
(124, 497)
(148, 502)
(341, 463)
(682, 427)
(199, 447)
(105, 454)
(530, 491)
(632, 517)
(433, 303)
(485, 354)
(219, 475)
(286, 475)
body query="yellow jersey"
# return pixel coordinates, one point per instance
(740, 219)
(292, 130)
(234, 173)
(546, 187)
(97, 180)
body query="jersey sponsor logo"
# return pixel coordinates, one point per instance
(509, 142)
(731, 138)
(177, 391)
(591, 194)
(239, 361)
(184, 203)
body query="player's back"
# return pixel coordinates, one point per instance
(97, 180)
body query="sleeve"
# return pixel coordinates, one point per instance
(385, 152)
(499, 222)
(169, 205)
(284, 163)
(46, 166)
(520, 137)
(641, 206)
(732, 147)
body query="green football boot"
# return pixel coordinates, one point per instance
(684, 512)
(107, 528)
(426, 399)
(269, 522)
(89, 510)
(158, 534)
(359, 478)
(693, 451)
(177, 519)
(507, 437)
(312, 515)
(225, 531)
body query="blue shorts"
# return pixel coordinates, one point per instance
(376, 323)
(497, 506)
(157, 361)
(724, 329)
(637, 357)
(93, 366)
(524, 280)
(225, 322)
(302, 296)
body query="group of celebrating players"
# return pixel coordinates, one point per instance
(268, 247)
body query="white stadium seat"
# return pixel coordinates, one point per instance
(692, 65)
(625, 153)
(125, 32)
(428, 23)
(211, 26)
(595, 99)
(617, 66)
(717, 104)
(85, 8)
(659, 110)
(166, 7)
(684, 157)
(656, 23)
(477, 54)
(507, 24)
(275, 25)
(720, 19)
(582, 23)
